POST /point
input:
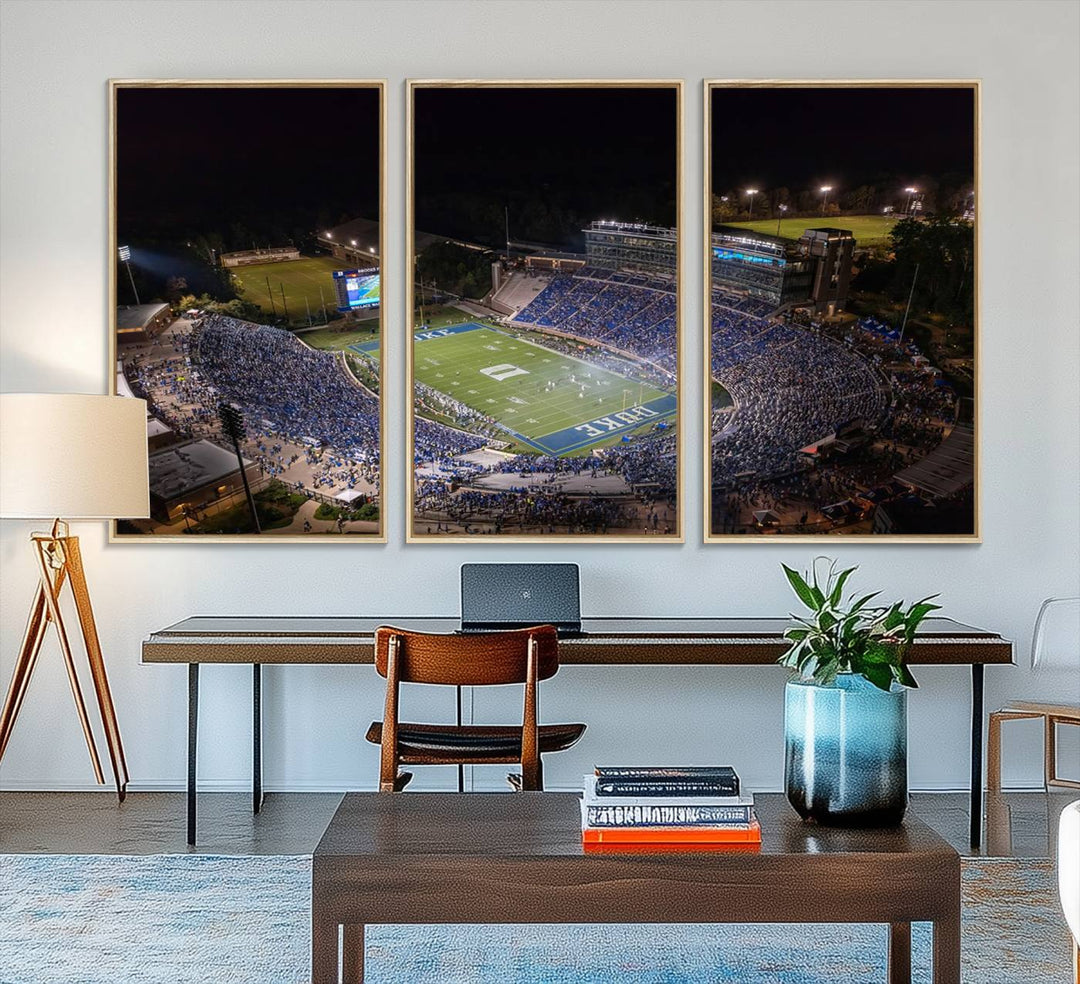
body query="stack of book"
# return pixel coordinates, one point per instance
(655, 806)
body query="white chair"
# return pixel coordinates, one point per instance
(1069, 875)
(1055, 645)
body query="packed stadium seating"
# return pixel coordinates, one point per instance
(630, 312)
(300, 391)
(792, 387)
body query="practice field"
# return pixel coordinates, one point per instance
(868, 230)
(551, 402)
(365, 338)
(301, 280)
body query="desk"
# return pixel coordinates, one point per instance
(260, 640)
(518, 858)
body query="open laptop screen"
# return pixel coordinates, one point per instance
(516, 595)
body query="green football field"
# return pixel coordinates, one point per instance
(536, 392)
(301, 280)
(868, 230)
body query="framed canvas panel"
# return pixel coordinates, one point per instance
(841, 290)
(246, 237)
(544, 340)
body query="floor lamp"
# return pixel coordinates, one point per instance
(78, 457)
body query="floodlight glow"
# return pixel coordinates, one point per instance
(125, 253)
(329, 235)
(912, 191)
(751, 191)
(825, 189)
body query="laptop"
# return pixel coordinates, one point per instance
(515, 596)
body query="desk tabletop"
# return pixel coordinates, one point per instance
(606, 640)
(388, 826)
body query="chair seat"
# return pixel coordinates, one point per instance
(473, 743)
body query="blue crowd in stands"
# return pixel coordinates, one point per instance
(795, 386)
(302, 392)
(792, 387)
(630, 312)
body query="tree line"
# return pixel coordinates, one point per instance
(948, 195)
(930, 260)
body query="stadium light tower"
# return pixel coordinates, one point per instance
(911, 193)
(780, 218)
(232, 426)
(751, 192)
(124, 252)
(824, 189)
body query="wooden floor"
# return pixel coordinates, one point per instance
(1023, 824)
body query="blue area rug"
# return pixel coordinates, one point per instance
(174, 919)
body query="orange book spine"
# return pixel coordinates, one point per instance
(750, 834)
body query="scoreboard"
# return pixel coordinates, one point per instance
(357, 289)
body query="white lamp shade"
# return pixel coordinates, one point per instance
(73, 456)
(1055, 643)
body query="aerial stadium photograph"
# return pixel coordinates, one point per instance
(545, 311)
(246, 243)
(841, 286)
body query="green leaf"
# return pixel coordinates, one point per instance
(893, 618)
(880, 676)
(876, 653)
(800, 587)
(903, 676)
(838, 589)
(863, 601)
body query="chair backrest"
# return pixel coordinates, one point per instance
(468, 660)
(1055, 642)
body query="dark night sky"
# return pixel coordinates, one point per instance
(803, 137)
(196, 160)
(573, 154)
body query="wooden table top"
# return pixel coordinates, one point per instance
(434, 858)
(387, 827)
(615, 640)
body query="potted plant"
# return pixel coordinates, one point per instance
(845, 713)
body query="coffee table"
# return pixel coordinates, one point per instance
(517, 858)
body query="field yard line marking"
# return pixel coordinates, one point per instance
(558, 405)
(572, 358)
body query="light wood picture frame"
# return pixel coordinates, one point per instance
(247, 231)
(841, 392)
(566, 425)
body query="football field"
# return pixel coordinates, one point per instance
(301, 281)
(553, 403)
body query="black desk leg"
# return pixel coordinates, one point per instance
(461, 767)
(192, 747)
(976, 753)
(256, 738)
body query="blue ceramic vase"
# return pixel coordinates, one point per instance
(846, 751)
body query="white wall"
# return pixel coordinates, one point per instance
(55, 60)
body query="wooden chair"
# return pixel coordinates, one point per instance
(1055, 644)
(485, 659)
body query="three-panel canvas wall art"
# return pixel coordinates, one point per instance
(543, 319)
